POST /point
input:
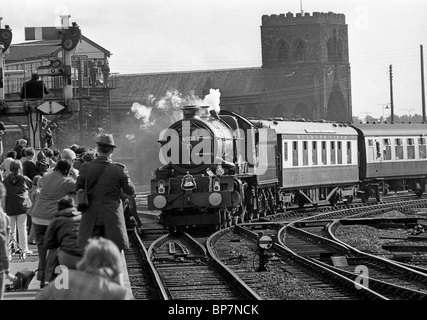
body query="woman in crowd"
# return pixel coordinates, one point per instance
(53, 186)
(4, 245)
(99, 276)
(18, 202)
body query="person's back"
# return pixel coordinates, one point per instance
(42, 164)
(28, 165)
(34, 88)
(105, 182)
(62, 233)
(99, 276)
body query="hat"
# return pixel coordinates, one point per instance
(105, 140)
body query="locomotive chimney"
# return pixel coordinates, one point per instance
(205, 112)
(189, 111)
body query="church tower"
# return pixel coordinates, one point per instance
(306, 67)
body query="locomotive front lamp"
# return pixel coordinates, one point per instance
(188, 182)
(161, 187)
(216, 184)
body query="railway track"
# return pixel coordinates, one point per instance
(145, 284)
(179, 263)
(288, 276)
(189, 274)
(387, 278)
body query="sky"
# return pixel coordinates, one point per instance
(149, 36)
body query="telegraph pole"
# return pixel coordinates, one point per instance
(391, 96)
(66, 54)
(422, 85)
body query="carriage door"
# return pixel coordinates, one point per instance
(287, 160)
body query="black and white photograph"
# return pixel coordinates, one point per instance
(213, 159)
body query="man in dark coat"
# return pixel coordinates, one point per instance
(105, 182)
(34, 88)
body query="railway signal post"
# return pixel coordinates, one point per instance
(35, 108)
(264, 244)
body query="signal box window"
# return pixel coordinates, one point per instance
(295, 153)
(324, 161)
(333, 155)
(387, 149)
(339, 144)
(422, 148)
(349, 152)
(305, 153)
(399, 149)
(314, 154)
(410, 148)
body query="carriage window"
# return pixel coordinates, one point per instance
(285, 151)
(333, 154)
(370, 150)
(305, 153)
(377, 149)
(323, 152)
(295, 153)
(399, 149)
(339, 145)
(387, 149)
(410, 148)
(348, 152)
(422, 148)
(314, 154)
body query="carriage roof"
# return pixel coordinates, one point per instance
(306, 127)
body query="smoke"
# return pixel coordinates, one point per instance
(212, 100)
(142, 112)
(162, 112)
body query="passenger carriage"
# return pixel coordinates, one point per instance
(318, 161)
(393, 157)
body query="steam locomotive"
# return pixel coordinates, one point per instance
(222, 168)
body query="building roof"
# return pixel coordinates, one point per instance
(230, 82)
(33, 50)
(38, 49)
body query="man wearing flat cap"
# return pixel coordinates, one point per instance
(105, 180)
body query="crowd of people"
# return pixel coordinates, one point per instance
(38, 205)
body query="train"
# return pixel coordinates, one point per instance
(221, 168)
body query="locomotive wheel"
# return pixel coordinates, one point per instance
(301, 202)
(365, 198)
(262, 210)
(249, 215)
(333, 200)
(349, 201)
